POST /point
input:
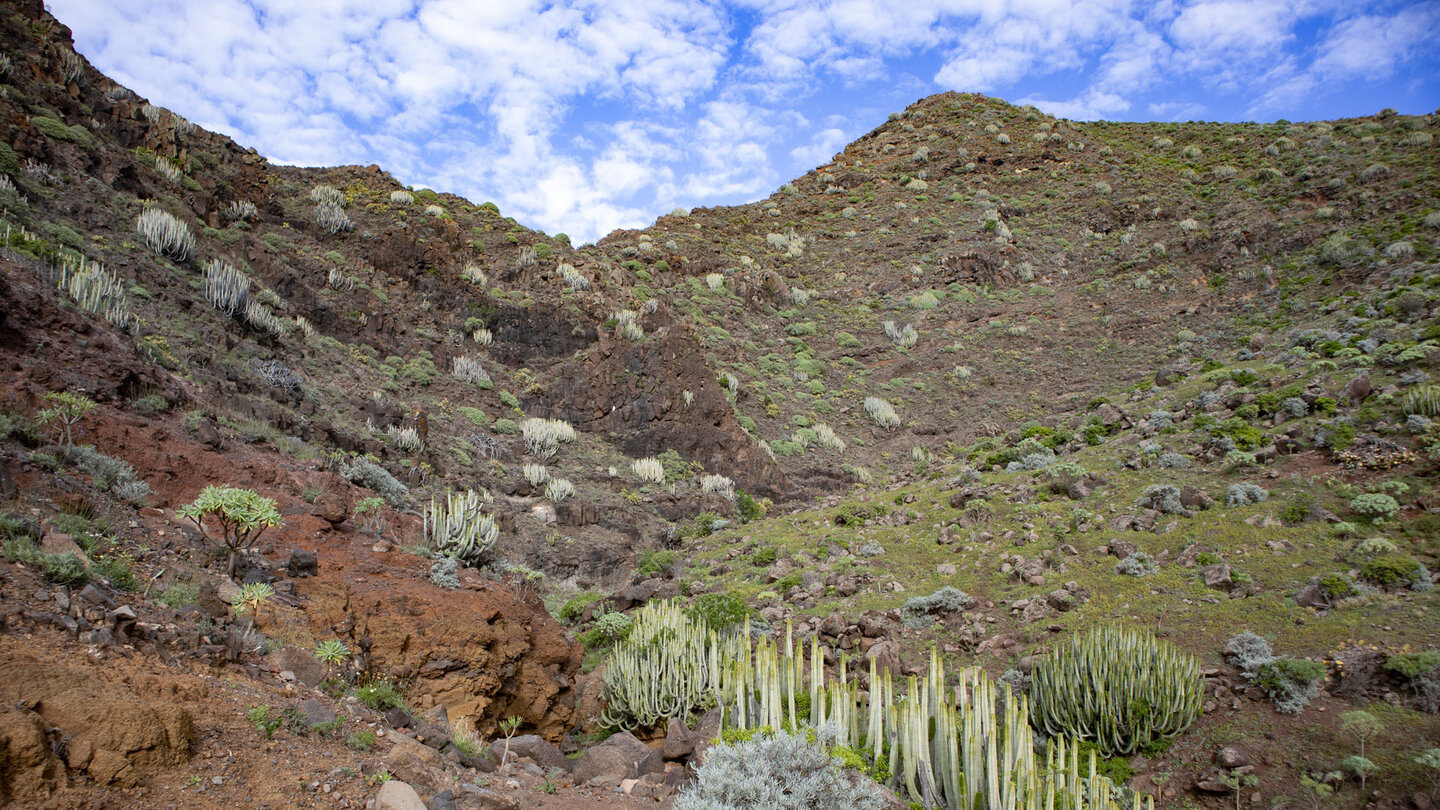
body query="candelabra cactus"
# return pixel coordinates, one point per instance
(1121, 688)
(459, 527)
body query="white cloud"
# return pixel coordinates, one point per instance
(585, 115)
(821, 148)
(1371, 46)
(1092, 105)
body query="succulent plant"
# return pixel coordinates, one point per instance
(1121, 688)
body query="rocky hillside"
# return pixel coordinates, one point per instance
(982, 348)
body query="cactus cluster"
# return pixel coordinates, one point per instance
(573, 278)
(543, 437)
(942, 746)
(882, 412)
(470, 370)
(648, 469)
(904, 337)
(226, 288)
(458, 525)
(1121, 688)
(330, 209)
(718, 485)
(98, 291)
(165, 234)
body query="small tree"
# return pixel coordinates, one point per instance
(509, 725)
(374, 519)
(1238, 781)
(1361, 767)
(1363, 725)
(242, 516)
(67, 410)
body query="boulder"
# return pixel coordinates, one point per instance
(1231, 757)
(1217, 576)
(1084, 487)
(1061, 600)
(308, 670)
(679, 741)
(1193, 498)
(1358, 389)
(886, 654)
(397, 795)
(444, 800)
(317, 713)
(302, 563)
(534, 747)
(603, 766)
(475, 796)
(331, 507)
(1120, 549)
(431, 735)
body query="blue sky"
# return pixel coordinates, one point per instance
(582, 116)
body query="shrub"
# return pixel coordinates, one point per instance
(66, 409)
(1338, 586)
(1248, 652)
(748, 507)
(1245, 494)
(366, 473)
(652, 562)
(442, 573)
(574, 607)
(1238, 459)
(61, 569)
(778, 771)
(109, 474)
(904, 337)
(165, 234)
(242, 516)
(718, 611)
(1162, 498)
(1137, 564)
(1394, 570)
(1123, 689)
(1173, 461)
(1291, 682)
(380, 695)
(1375, 506)
(919, 611)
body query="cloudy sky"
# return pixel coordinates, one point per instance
(581, 116)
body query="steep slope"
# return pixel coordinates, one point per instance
(905, 360)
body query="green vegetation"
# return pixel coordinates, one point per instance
(1122, 689)
(241, 515)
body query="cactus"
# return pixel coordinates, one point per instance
(648, 469)
(951, 747)
(165, 234)
(459, 527)
(226, 288)
(544, 436)
(718, 485)
(1122, 689)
